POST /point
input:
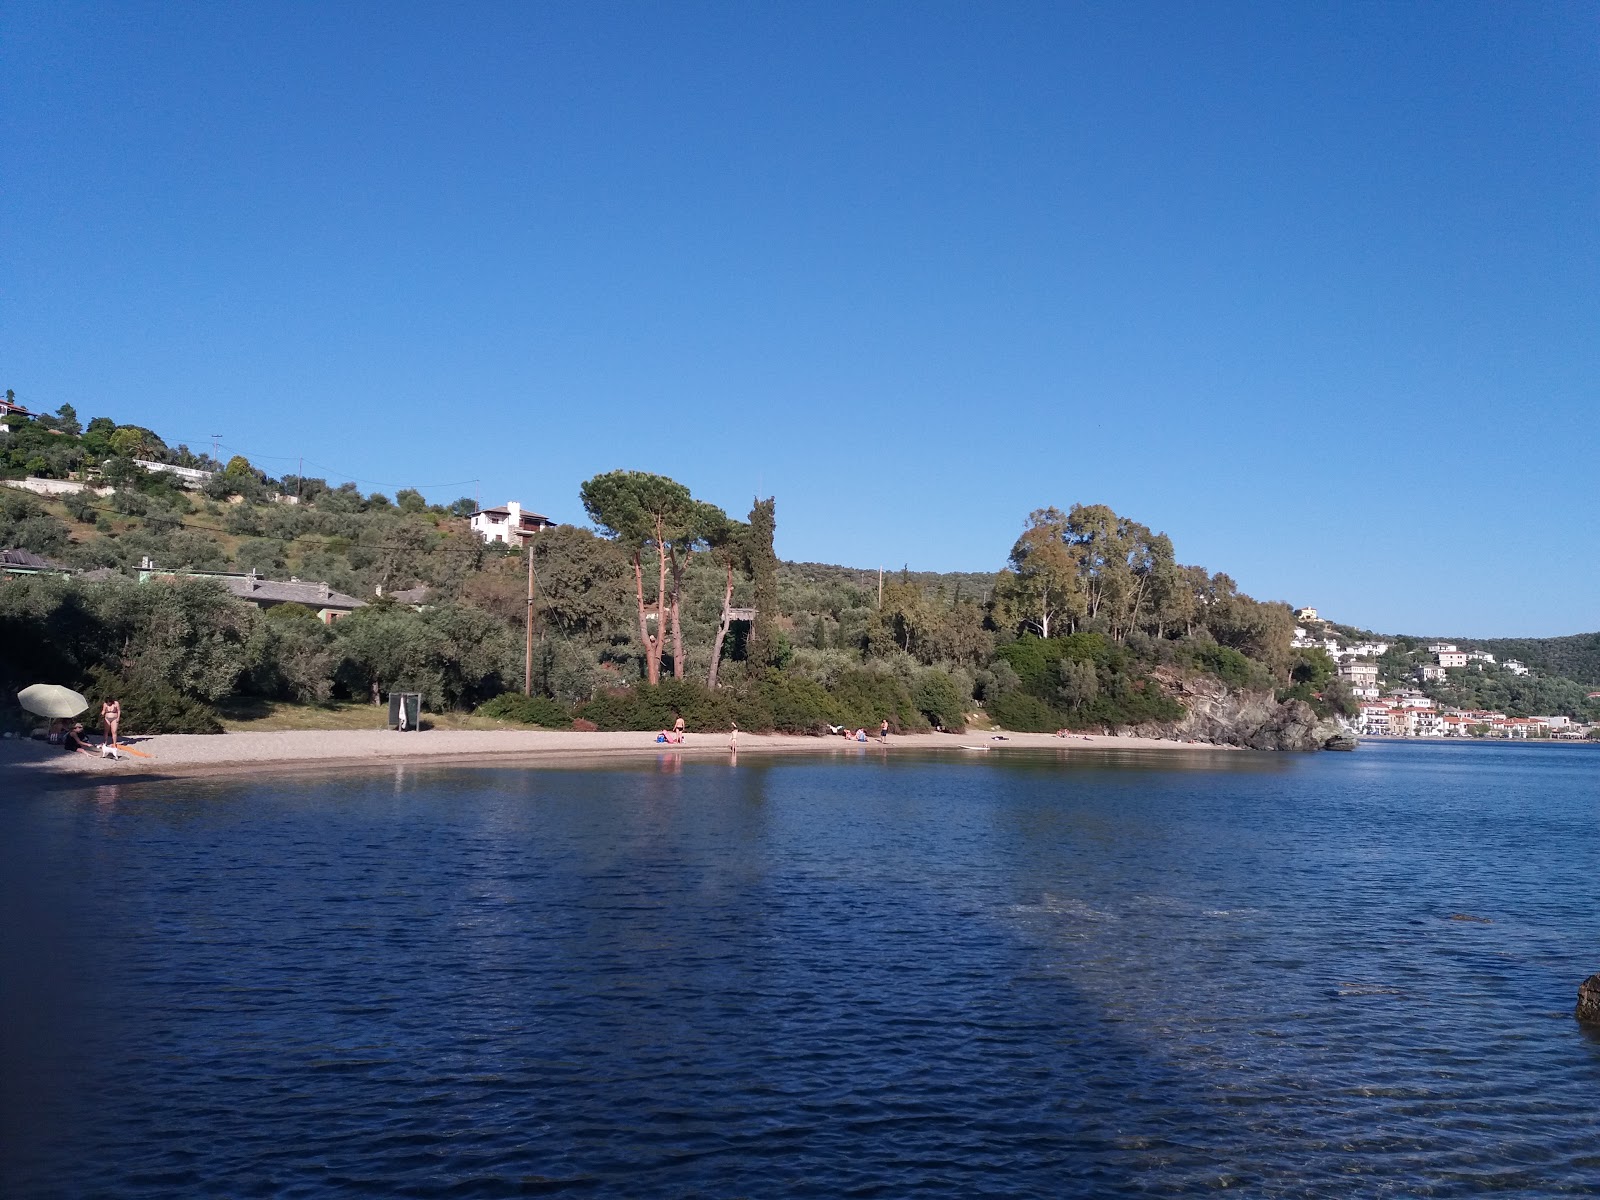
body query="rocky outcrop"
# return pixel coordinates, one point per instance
(1588, 1009)
(1223, 716)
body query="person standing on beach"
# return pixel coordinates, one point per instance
(883, 731)
(111, 717)
(733, 736)
(677, 728)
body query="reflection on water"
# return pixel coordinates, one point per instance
(1066, 974)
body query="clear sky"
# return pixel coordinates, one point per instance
(1315, 289)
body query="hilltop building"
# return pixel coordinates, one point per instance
(511, 524)
(190, 477)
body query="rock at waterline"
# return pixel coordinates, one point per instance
(1589, 1000)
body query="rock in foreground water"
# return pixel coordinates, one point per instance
(1589, 1000)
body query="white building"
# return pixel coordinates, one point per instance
(511, 524)
(1306, 614)
(1442, 648)
(1430, 673)
(1480, 656)
(1409, 698)
(1452, 658)
(189, 477)
(1514, 667)
(1361, 676)
(1369, 649)
(1373, 719)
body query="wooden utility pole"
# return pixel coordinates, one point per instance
(527, 662)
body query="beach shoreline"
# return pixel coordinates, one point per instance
(247, 752)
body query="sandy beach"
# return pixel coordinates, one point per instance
(191, 754)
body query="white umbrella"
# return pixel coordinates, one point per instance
(51, 700)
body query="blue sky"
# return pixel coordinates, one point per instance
(1314, 289)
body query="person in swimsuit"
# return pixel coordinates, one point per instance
(883, 731)
(111, 717)
(733, 736)
(677, 729)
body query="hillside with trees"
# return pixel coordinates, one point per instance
(1093, 623)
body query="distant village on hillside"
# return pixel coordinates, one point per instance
(1391, 708)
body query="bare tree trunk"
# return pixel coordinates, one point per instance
(661, 600)
(722, 630)
(652, 648)
(677, 624)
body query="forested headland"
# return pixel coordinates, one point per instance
(1092, 624)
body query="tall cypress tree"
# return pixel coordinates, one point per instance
(763, 648)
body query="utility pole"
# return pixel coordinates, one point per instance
(527, 662)
(880, 587)
(215, 438)
(300, 478)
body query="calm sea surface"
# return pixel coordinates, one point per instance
(989, 975)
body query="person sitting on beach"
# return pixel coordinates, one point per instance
(73, 739)
(662, 736)
(861, 735)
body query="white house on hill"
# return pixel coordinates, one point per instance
(510, 523)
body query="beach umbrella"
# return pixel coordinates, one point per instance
(51, 700)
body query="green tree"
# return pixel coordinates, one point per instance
(128, 441)
(1041, 589)
(654, 514)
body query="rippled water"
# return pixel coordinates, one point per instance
(1005, 975)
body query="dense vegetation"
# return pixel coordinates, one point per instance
(1092, 613)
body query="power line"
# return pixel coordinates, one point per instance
(334, 471)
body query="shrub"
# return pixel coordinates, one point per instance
(866, 697)
(529, 710)
(1226, 663)
(1023, 713)
(153, 706)
(646, 707)
(940, 701)
(799, 705)
(581, 725)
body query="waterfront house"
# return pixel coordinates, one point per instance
(511, 524)
(1523, 727)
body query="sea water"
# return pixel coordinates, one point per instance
(887, 974)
